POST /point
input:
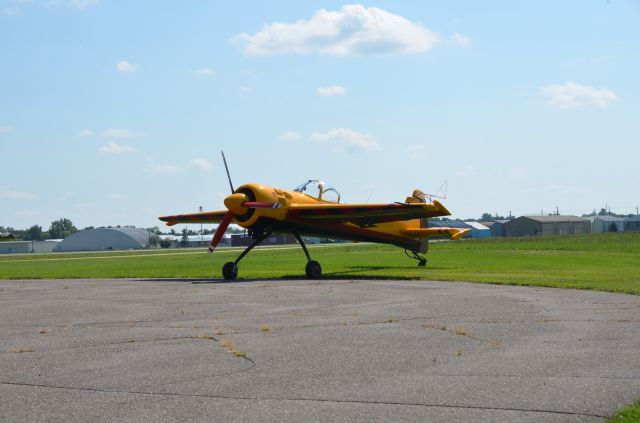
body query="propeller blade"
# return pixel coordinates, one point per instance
(222, 227)
(228, 174)
(260, 205)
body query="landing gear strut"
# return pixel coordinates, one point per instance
(230, 268)
(313, 270)
(422, 261)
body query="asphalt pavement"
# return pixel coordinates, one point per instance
(330, 350)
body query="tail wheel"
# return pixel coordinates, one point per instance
(313, 270)
(230, 270)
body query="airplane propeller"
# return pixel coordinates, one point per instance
(237, 205)
(222, 228)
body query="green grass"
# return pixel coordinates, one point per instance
(630, 414)
(608, 262)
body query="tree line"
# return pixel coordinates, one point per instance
(59, 229)
(62, 228)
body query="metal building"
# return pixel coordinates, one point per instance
(15, 247)
(632, 223)
(603, 224)
(192, 241)
(547, 225)
(496, 226)
(105, 239)
(241, 240)
(478, 230)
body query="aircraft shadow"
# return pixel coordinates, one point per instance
(354, 272)
(196, 280)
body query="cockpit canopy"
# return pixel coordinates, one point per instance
(317, 189)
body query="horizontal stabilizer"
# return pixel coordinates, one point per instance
(453, 233)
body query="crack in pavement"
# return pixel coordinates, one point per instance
(302, 399)
(90, 324)
(175, 338)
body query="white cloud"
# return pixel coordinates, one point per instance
(126, 67)
(17, 195)
(110, 133)
(202, 164)
(245, 89)
(117, 197)
(352, 30)
(119, 133)
(347, 139)
(290, 136)
(332, 90)
(86, 133)
(5, 129)
(461, 40)
(571, 96)
(114, 148)
(205, 72)
(467, 170)
(166, 168)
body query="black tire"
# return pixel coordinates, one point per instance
(230, 270)
(313, 270)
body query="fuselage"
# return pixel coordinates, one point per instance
(278, 219)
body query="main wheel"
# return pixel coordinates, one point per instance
(313, 270)
(230, 270)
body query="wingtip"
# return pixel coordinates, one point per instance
(169, 220)
(441, 208)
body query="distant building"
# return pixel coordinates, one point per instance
(496, 226)
(45, 246)
(601, 224)
(632, 223)
(192, 241)
(105, 239)
(15, 247)
(451, 223)
(547, 225)
(478, 230)
(242, 240)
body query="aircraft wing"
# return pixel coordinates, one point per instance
(202, 217)
(366, 214)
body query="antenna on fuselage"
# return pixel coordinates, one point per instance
(228, 175)
(440, 193)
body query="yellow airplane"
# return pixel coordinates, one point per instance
(315, 210)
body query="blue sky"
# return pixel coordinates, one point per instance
(114, 112)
